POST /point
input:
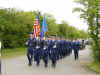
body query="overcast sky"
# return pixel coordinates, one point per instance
(60, 9)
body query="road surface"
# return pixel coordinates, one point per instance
(66, 66)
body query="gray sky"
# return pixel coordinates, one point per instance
(60, 9)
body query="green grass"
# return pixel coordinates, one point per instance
(7, 53)
(94, 66)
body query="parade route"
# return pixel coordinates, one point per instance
(66, 66)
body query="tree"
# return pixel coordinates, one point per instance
(51, 25)
(15, 26)
(91, 14)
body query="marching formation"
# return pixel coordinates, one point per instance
(49, 48)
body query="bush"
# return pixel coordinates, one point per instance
(96, 52)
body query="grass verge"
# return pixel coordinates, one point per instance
(7, 53)
(94, 66)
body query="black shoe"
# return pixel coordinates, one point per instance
(46, 66)
(53, 65)
(37, 65)
(29, 64)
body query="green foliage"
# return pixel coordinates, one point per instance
(70, 32)
(7, 53)
(91, 13)
(96, 52)
(14, 27)
(94, 66)
(51, 25)
(63, 30)
(16, 24)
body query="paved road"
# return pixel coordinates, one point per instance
(66, 66)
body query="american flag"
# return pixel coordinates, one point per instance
(36, 27)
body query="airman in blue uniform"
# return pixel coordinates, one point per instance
(57, 49)
(31, 43)
(53, 52)
(76, 47)
(38, 51)
(45, 52)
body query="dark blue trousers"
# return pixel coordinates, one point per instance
(30, 55)
(76, 54)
